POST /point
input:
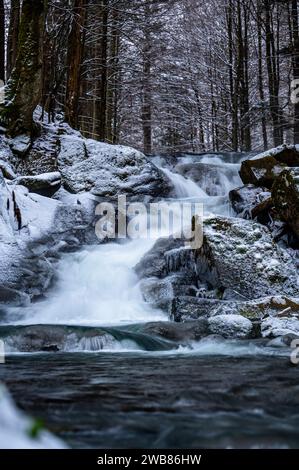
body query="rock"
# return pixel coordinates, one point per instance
(187, 308)
(285, 154)
(42, 156)
(285, 195)
(55, 338)
(7, 170)
(11, 296)
(21, 145)
(110, 171)
(261, 171)
(45, 184)
(72, 151)
(248, 200)
(240, 255)
(231, 326)
(184, 332)
(273, 327)
(154, 263)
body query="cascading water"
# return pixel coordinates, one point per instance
(143, 389)
(184, 188)
(98, 286)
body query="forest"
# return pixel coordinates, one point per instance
(149, 230)
(163, 76)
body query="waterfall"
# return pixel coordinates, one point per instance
(98, 286)
(184, 188)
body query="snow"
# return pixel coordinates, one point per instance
(15, 428)
(21, 144)
(274, 327)
(230, 326)
(275, 151)
(52, 178)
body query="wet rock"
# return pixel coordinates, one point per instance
(285, 195)
(46, 184)
(250, 202)
(261, 171)
(231, 326)
(154, 263)
(161, 292)
(46, 338)
(12, 296)
(183, 332)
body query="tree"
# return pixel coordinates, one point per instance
(13, 33)
(2, 41)
(23, 90)
(74, 62)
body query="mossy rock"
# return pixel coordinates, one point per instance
(285, 195)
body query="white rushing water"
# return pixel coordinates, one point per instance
(99, 287)
(184, 187)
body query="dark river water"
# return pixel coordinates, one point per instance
(159, 400)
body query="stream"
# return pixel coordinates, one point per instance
(112, 385)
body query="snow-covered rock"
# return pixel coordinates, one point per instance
(45, 184)
(246, 199)
(21, 145)
(230, 326)
(107, 170)
(273, 327)
(286, 154)
(17, 431)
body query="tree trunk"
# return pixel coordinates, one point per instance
(74, 61)
(146, 114)
(101, 104)
(2, 41)
(295, 61)
(23, 90)
(12, 39)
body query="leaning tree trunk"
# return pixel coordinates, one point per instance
(23, 90)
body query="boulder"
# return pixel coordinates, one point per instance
(231, 326)
(239, 271)
(285, 195)
(274, 327)
(184, 332)
(261, 171)
(240, 255)
(107, 171)
(285, 154)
